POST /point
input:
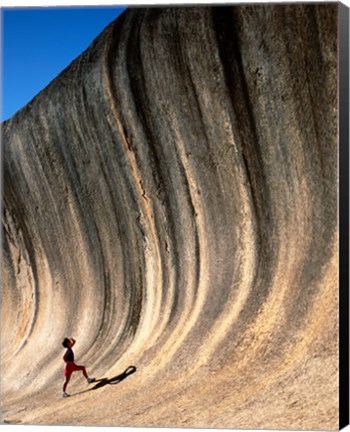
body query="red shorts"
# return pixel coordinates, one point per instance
(69, 368)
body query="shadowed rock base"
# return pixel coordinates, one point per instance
(170, 200)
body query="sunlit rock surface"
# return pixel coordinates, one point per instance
(170, 200)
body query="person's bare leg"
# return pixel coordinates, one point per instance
(65, 384)
(85, 373)
(83, 369)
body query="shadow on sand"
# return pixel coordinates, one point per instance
(115, 380)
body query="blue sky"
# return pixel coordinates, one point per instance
(38, 43)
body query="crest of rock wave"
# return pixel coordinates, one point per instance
(170, 201)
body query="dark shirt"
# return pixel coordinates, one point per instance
(69, 355)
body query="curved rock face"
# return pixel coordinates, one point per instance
(170, 200)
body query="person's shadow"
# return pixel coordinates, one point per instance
(115, 380)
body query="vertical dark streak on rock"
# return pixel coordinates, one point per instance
(136, 285)
(157, 159)
(21, 238)
(321, 151)
(226, 24)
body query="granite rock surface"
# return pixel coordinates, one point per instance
(170, 200)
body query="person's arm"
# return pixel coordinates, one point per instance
(73, 341)
(65, 356)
